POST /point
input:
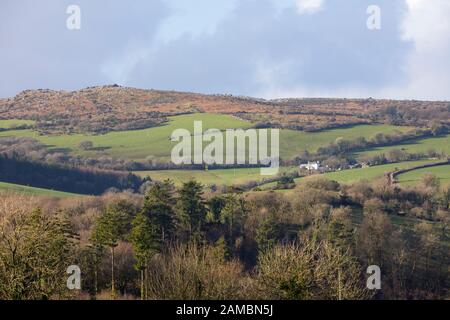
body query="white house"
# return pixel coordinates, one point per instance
(311, 166)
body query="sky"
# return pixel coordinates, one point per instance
(260, 48)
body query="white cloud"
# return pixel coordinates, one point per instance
(309, 6)
(425, 68)
(427, 26)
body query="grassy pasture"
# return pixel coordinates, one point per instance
(155, 142)
(412, 177)
(293, 142)
(439, 144)
(354, 175)
(7, 124)
(370, 173)
(134, 144)
(9, 187)
(217, 177)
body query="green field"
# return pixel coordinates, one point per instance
(439, 144)
(9, 187)
(217, 177)
(293, 142)
(370, 173)
(7, 124)
(134, 144)
(155, 142)
(355, 175)
(412, 177)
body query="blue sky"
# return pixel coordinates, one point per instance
(264, 48)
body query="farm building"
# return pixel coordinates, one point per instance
(311, 166)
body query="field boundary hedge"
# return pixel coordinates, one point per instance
(392, 176)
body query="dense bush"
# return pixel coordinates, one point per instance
(310, 271)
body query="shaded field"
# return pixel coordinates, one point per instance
(412, 177)
(9, 187)
(217, 177)
(155, 142)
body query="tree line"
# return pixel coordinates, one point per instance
(183, 243)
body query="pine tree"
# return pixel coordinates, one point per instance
(192, 208)
(267, 234)
(90, 259)
(145, 240)
(232, 214)
(215, 205)
(113, 226)
(158, 207)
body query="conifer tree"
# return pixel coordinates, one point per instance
(267, 233)
(192, 208)
(233, 214)
(113, 226)
(146, 242)
(158, 208)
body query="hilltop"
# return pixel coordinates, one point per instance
(114, 108)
